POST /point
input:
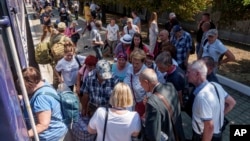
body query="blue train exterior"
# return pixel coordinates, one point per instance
(12, 37)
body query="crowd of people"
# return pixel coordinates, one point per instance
(141, 95)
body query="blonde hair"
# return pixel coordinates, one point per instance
(69, 47)
(153, 18)
(129, 20)
(138, 54)
(121, 96)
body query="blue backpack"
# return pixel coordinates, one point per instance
(69, 106)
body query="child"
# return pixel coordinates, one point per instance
(67, 68)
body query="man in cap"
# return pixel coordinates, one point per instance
(182, 41)
(216, 49)
(205, 19)
(97, 88)
(171, 22)
(55, 38)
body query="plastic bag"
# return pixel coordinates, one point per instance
(62, 87)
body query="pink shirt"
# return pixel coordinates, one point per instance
(84, 72)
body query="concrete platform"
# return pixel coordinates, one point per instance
(239, 115)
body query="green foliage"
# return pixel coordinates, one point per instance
(185, 9)
(246, 2)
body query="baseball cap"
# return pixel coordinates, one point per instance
(212, 32)
(103, 69)
(61, 26)
(177, 28)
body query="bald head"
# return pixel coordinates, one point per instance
(149, 75)
(164, 35)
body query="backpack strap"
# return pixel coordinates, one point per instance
(105, 123)
(78, 62)
(62, 39)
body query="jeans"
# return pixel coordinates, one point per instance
(98, 52)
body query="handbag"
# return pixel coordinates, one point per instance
(75, 37)
(80, 130)
(91, 109)
(139, 106)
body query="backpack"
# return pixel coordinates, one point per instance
(57, 49)
(42, 53)
(69, 106)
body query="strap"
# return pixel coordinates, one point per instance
(105, 124)
(78, 61)
(170, 110)
(131, 81)
(217, 93)
(127, 29)
(62, 38)
(166, 103)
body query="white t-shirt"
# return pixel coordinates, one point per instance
(93, 7)
(95, 35)
(215, 50)
(131, 32)
(69, 69)
(112, 32)
(206, 107)
(119, 127)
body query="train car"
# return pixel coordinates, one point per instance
(13, 58)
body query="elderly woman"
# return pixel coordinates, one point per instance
(120, 68)
(132, 79)
(89, 65)
(122, 124)
(46, 110)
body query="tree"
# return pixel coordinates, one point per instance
(246, 2)
(185, 9)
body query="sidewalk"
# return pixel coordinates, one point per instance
(239, 115)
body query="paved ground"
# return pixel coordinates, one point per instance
(239, 115)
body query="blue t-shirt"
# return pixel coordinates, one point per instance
(121, 74)
(57, 129)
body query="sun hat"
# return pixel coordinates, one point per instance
(126, 39)
(103, 69)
